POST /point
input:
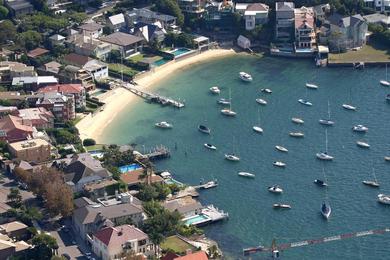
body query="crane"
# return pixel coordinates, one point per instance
(275, 249)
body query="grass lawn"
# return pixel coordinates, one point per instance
(176, 244)
(126, 70)
(369, 53)
(93, 147)
(137, 58)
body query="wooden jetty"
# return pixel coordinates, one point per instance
(154, 98)
(159, 152)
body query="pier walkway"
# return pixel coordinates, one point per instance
(159, 152)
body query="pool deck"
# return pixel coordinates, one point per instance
(211, 214)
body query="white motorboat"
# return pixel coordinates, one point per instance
(363, 144)
(387, 158)
(246, 174)
(232, 157)
(297, 134)
(164, 125)
(320, 183)
(384, 199)
(371, 183)
(311, 86)
(257, 129)
(349, 107)
(305, 102)
(327, 122)
(279, 164)
(324, 155)
(204, 129)
(297, 120)
(385, 82)
(245, 76)
(210, 146)
(281, 148)
(388, 97)
(360, 128)
(326, 210)
(261, 101)
(229, 111)
(223, 101)
(266, 90)
(209, 185)
(281, 206)
(215, 90)
(275, 189)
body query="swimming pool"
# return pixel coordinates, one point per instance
(160, 62)
(173, 181)
(98, 92)
(197, 219)
(180, 51)
(130, 167)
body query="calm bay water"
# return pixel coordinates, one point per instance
(252, 219)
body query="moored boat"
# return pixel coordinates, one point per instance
(232, 157)
(163, 124)
(275, 189)
(245, 76)
(281, 206)
(297, 134)
(384, 199)
(371, 183)
(388, 97)
(311, 86)
(215, 90)
(204, 129)
(261, 101)
(360, 128)
(210, 146)
(384, 83)
(257, 129)
(387, 158)
(326, 122)
(320, 183)
(266, 90)
(349, 107)
(362, 144)
(223, 101)
(326, 210)
(279, 164)
(297, 120)
(228, 112)
(305, 102)
(324, 156)
(281, 148)
(246, 174)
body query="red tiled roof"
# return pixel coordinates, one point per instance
(76, 59)
(169, 256)
(134, 177)
(200, 255)
(9, 123)
(257, 7)
(114, 236)
(37, 52)
(63, 88)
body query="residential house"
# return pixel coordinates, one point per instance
(57, 39)
(194, 7)
(87, 46)
(219, 17)
(73, 74)
(84, 169)
(186, 206)
(34, 83)
(15, 229)
(37, 52)
(5, 110)
(381, 19)
(76, 59)
(38, 117)
(255, 14)
(10, 248)
(53, 67)
(75, 90)
(116, 22)
(135, 177)
(19, 8)
(98, 188)
(12, 129)
(92, 30)
(321, 11)
(305, 37)
(378, 5)
(150, 32)
(111, 242)
(32, 150)
(150, 17)
(11, 69)
(13, 97)
(62, 106)
(345, 32)
(126, 43)
(284, 30)
(98, 69)
(90, 217)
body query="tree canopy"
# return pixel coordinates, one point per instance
(170, 7)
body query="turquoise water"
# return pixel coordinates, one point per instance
(251, 217)
(160, 62)
(196, 218)
(180, 51)
(173, 181)
(129, 168)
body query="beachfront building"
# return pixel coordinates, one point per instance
(305, 37)
(75, 90)
(149, 32)
(194, 7)
(98, 69)
(13, 129)
(343, 33)
(285, 20)
(38, 117)
(186, 206)
(32, 150)
(111, 242)
(62, 106)
(126, 43)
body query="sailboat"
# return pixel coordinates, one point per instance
(229, 111)
(232, 156)
(327, 122)
(304, 101)
(349, 106)
(373, 183)
(385, 83)
(257, 128)
(324, 155)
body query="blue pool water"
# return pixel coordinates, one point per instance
(180, 51)
(173, 181)
(195, 219)
(160, 62)
(129, 168)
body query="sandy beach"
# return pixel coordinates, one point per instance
(117, 99)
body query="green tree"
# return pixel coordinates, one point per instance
(89, 142)
(44, 246)
(7, 31)
(14, 197)
(3, 12)
(29, 39)
(170, 7)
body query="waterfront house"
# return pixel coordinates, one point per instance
(284, 24)
(116, 22)
(343, 33)
(305, 37)
(89, 217)
(34, 83)
(62, 106)
(75, 90)
(38, 117)
(186, 206)
(150, 17)
(136, 177)
(255, 14)
(111, 242)
(13, 129)
(219, 18)
(92, 30)
(380, 19)
(149, 32)
(98, 69)
(87, 46)
(126, 43)
(193, 7)
(84, 169)
(32, 150)
(18, 8)
(321, 11)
